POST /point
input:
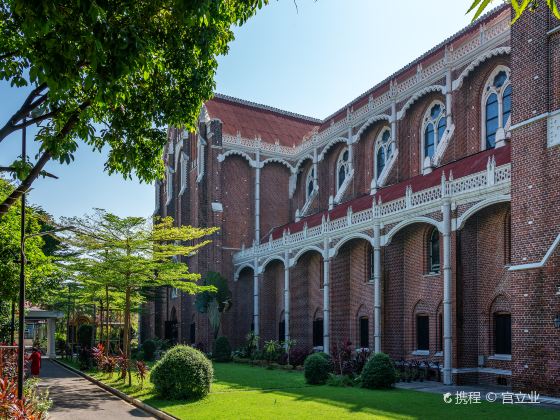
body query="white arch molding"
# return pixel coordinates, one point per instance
(262, 266)
(457, 83)
(300, 162)
(240, 269)
(280, 161)
(329, 145)
(223, 156)
(386, 239)
(369, 123)
(462, 220)
(346, 239)
(294, 261)
(417, 96)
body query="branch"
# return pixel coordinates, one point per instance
(26, 108)
(38, 168)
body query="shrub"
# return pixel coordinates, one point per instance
(149, 349)
(316, 369)
(222, 350)
(298, 356)
(378, 372)
(183, 373)
(340, 380)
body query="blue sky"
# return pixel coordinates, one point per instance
(311, 61)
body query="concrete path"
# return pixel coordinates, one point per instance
(77, 398)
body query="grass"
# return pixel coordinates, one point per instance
(246, 392)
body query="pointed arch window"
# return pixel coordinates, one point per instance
(169, 185)
(342, 167)
(433, 252)
(496, 105)
(383, 151)
(433, 129)
(309, 183)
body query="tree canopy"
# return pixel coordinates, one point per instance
(111, 74)
(519, 7)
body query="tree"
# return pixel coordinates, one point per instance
(137, 254)
(40, 271)
(112, 74)
(519, 7)
(214, 302)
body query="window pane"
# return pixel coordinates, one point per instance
(502, 333)
(386, 136)
(282, 330)
(491, 120)
(364, 332)
(192, 333)
(422, 332)
(380, 161)
(345, 156)
(318, 332)
(436, 110)
(434, 252)
(429, 141)
(500, 79)
(309, 187)
(506, 105)
(341, 176)
(442, 125)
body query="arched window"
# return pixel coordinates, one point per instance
(502, 333)
(433, 251)
(318, 332)
(383, 151)
(364, 332)
(422, 332)
(433, 129)
(309, 183)
(169, 181)
(496, 104)
(342, 167)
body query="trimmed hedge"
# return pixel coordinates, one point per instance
(183, 373)
(222, 350)
(149, 349)
(378, 372)
(316, 369)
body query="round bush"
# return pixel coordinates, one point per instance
(316, 369)
(222, 350)
(378, 372)
(183, 373)
(149, 349)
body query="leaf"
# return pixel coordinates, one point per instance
(481, 9)
(475, 3)
(520, 9)
(554, 8)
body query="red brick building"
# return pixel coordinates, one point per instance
(421, 219)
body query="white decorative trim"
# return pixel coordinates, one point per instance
(344, 186)
(503, 357)
(295, 259)
(386, 239)
(457, 83)
(240, 269)
(329, 145)
(386, 170)
(223, 156)
(169, 185)
(368, 123)
(418, 95)
(426, 162)
(277, 160)
(184, 164)
(460, 221)
(201, 147)
(333, 252)
(529, 121)
(489, 89)
(421, 353)
(263, 265)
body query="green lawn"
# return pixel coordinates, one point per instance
(245, 392)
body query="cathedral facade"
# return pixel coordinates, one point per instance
(421, 219)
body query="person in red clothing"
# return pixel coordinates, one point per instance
(35, 359)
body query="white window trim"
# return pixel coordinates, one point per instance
(349, 174)
(426, 164)
(504, 357)
(200, 158)
(502, 132)
(380, 180)
(169, 185)
(183, 172)
(157, 187)
(309, 197)
(421, 353)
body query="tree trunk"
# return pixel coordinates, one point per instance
(107, 320)
(126, 334)
(101, 321)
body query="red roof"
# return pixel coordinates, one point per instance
(460, 168)
(252, 120)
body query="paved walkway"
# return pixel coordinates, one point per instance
(77, 398)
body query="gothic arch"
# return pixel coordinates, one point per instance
(462, 220)
(342, 241)
(302, 251)
(330, 145)
(240, 269)
(417, 96)
(244, 155)
(457, 83)
(370, 122)
(420, 219)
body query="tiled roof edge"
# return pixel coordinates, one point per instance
(267, 108)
